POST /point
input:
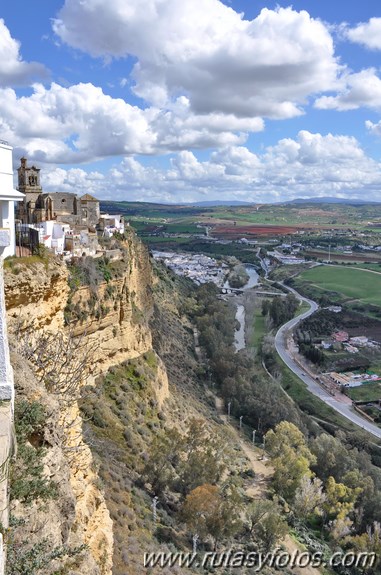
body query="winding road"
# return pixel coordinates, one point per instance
(281, 347)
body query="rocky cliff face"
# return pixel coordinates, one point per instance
(36, 293)
(115, 313)
(57, 520)
(110, 320)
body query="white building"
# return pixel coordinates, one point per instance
(7, 248)
(8, 196)
(359, 340)
(51, 234)
(110, 224)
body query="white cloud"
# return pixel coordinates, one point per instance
(366, 33)
(373, 128)
(81, 123)
(13, 70)
(73, 124)
(362, 89)
(309, 166)
(206, 51)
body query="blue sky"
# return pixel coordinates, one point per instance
(160, 100)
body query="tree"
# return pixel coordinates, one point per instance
(271, 529)
(309, 497)
(162, 458)
(369, 542)
(257, 510)
(208, 512)
(265, 307)
(185, 461)
(332, 458)
(60, 361)
(26, 559)
(265, 522)
(339, 503)
(202, 459)
(291, 458)
(281, 309)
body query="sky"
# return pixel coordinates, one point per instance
(195, 100)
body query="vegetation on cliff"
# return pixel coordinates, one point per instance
(166, 465)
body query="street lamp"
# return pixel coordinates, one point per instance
(254, 431)
(229, 406)
(240, 421)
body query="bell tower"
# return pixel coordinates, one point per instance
(29, 178)
(28, 184)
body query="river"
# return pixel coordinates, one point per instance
(239, 336)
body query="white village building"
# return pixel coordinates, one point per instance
(110, 224)
(8, 195)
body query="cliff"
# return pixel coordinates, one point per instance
(107, 377)
(36, 292)
(103, 318)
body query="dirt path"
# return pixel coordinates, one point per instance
(263, 473)
(358, 268)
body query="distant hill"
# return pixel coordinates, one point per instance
(108, 204)
(330, 200)
(212, 203)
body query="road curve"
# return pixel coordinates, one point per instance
(313, 387)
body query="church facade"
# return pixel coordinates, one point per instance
(60, 206)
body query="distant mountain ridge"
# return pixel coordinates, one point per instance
(329, 200)
(238, 203)
(212, 203)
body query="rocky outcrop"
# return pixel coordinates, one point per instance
(116, 324)
(36, 293)
(56, 520)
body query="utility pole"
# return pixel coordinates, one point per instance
(154, 508)
(195, 541)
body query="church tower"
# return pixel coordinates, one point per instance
(28, 184)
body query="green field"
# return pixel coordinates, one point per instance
(328, 216)
(350, 283)
(366, 392)
(259, 328)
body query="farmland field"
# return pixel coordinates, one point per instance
(350, 283)
(365, 392)
(354, 258)
(297, 217)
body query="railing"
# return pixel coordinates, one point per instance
(2, 556)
